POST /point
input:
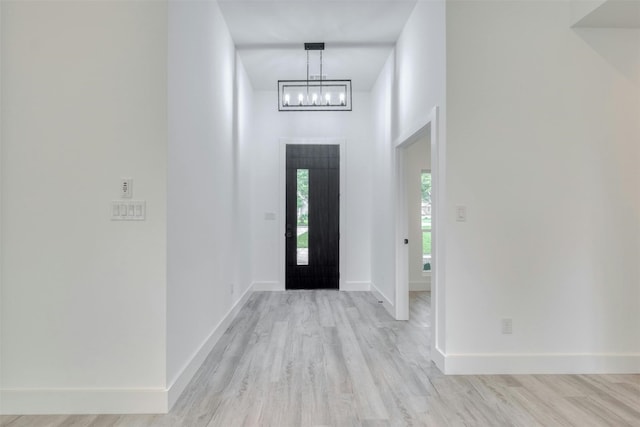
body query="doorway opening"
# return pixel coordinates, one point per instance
(417, 187)
(419, 231)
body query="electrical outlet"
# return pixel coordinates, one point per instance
(507, 326)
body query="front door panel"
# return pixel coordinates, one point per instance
(312, 216)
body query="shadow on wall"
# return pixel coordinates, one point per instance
(620, 47)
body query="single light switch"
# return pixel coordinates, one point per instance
(461, 213)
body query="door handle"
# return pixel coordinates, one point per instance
(289, 233)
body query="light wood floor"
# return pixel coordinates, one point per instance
(327, 358)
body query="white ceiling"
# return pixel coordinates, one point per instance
(359, 36)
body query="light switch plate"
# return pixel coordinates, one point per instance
(129, 210)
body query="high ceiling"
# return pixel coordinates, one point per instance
(359, 36)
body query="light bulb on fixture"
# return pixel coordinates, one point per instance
(315, 99)
(328, 98)
(342, 101)
(287, 99)
(300, 98)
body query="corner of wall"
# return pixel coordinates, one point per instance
(384, 300)
(188, 372)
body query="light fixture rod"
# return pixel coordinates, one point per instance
(307, 75)
(320, 74)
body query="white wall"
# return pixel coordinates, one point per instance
(208, 136)
(420, 73)
(84, 103)
(543, 150)
(418, 158)
(383, 214)
(269, 126)
(583, 8)
(243, 156)
(410, 85)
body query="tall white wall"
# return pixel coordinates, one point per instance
(382, 229)
(270, 126)
(420, 74)
(543, 148)
(209, 123)
(84, 103)
(243, 158)
(410, 85)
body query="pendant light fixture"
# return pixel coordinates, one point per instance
(314, 94)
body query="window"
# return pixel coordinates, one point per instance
(302, 214)
(425, 216)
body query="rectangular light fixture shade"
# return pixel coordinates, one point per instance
(314, 95)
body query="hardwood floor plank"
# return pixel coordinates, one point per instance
(106, 420)
(367, 396)
(328, 358)
(618, 407)
(622, 392)
(5, 420)
(592, 410)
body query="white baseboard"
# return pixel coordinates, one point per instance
(181, 381)
(420, 286)
(438, 357)
(115, 401)
(267, 286)
(356, 287)
(495, 364)
(83, 401)
(385, 301)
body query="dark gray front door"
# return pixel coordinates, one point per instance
(312, 216)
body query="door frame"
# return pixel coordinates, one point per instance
(282, 201)
(431, 125)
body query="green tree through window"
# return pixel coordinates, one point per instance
(425, 217)
(302, 205)
(303, 197)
